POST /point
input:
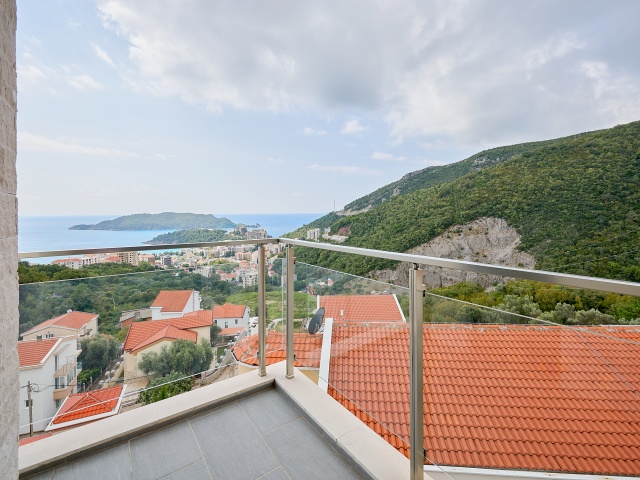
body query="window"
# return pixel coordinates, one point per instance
(38, 337)
(226, 324)
(58, 403)
(28, 403)
(49, 335)
(236, 321)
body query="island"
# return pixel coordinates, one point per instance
(160, 221)
(197, 235)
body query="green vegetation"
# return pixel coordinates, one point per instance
(193, 236)
(97, 352)
(183, 356)
(555, 303)
(304, 303)
(159, 221)
(45, 273)
(165, 387)
(575, 201)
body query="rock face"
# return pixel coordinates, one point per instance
(486, 240)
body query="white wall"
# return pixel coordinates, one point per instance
(234, 322)
(8, 244)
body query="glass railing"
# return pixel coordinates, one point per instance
(516, 374)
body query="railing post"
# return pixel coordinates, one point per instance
(416, 372)
(262, 313)
(289, 325)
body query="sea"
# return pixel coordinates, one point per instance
(47, 233)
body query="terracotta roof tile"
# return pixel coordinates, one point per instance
(231, 331)
(88, 404)
(228, 310)
(172, 300)
(307, 349)
(33, 352)
(141, 332)
(75, 320)
(520, 397)
(361, 308)
(35, 438)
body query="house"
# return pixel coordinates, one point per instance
(79, 324)
(81, 408)
(48, 367)
(127, 317)
(174, 303)
(152, 335)
(307, 350)
(507, 397)
(361, 308)
(231, 316)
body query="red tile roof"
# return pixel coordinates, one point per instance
(142, 334)
(75, 320)
(361, 308)
(35, 438)
(172, 300)
(88, 404)
(228, 310)
(231, 331)
(32, 352)
(307, 349)
(506, 397)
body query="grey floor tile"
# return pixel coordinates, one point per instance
(268, 410)
(195, 471)
(304, 454)
(112, 464)
(231, 445)
(277, 474)
(163, 451)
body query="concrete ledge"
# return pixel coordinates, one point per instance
(374, 457)
(78, 442)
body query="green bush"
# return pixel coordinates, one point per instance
(165, 387)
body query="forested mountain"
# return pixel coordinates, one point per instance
(159, 221)
(193, 236)
(575, 201)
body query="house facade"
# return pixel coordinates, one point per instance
(174, 304)
(50, 367)
(79, 324)
(231, 316)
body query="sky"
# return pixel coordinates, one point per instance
(285, 106)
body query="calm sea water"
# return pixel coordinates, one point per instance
(36, 234)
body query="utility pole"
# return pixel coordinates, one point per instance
(30, 408)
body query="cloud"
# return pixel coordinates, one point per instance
(30, 141)
(349, 170)
(451, 69)
(352, 126)
(386, 157)
(82, 82)
(102, 55)
(313, 131)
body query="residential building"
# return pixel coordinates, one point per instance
(82, 408)
(250, 278)
(231, 316)
(77, 262)
(127, 317)
(80, 324)
(174, 303)
(152, 335)
(361, 308)
(49, 368)
(313, 234)
(257, 234)
(131, 258)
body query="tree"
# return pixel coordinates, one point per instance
(165, 387)
(215, 330)
(183, 356)
(98, 351)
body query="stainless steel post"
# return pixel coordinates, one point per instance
(416, 379)
(262, 313)
(290, 354)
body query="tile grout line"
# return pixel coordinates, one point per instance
(199, 447)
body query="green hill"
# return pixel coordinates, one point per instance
(575, 201)
(159, 221)
(193, 236)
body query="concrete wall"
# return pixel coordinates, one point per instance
(9, 368)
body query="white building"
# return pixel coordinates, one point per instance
(313, 234)
(174, 304)
(50, 367)
(250, 278)
(231, 316)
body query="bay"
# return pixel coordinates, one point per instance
(47, 233)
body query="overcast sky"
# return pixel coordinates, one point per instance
(287, 106)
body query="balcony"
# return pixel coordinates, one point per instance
(355, 378)
(66, 369)
(64, 392)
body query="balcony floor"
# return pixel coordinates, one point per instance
(261, 436)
